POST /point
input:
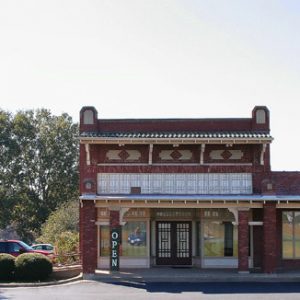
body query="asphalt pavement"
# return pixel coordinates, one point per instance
(173, 274)
(127, 290)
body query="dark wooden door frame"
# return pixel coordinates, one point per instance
(171, 245)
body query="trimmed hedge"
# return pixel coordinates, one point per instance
(7, 266)
(33, 266)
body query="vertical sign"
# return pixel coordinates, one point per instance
(115, 244)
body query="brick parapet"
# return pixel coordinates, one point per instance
(171, 125)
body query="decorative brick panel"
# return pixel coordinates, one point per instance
(88, 237)
(235, 154)
(243, 241)
(123, 154)
(270, 238)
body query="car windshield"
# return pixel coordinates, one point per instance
(25, 246)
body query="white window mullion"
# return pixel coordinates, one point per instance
(176, 183)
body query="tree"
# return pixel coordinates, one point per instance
(64, 219)
(40, 169)
(62, 230)
(7, 152)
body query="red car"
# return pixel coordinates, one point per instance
(15, 248)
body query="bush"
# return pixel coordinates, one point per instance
(7, 266)
(33, 266)
(67, 243)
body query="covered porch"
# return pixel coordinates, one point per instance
(234, 232)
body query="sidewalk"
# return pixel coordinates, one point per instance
(169, 274)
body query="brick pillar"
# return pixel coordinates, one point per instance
(243, 240)
(114, 218)
(269, 238)
(88, 237)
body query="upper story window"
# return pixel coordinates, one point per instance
(88, 117)
(175, 183)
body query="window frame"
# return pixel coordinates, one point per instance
(294, 238)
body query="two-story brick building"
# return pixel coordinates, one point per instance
(195, 192)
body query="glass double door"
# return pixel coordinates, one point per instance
(173, 243)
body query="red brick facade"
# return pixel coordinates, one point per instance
(88, 240)
(270, 238)
(243, 240)
(226, 146)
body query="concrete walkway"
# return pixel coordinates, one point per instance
(169, 274)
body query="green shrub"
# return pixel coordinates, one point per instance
(33, 266)
(67, 243)
(7, 266)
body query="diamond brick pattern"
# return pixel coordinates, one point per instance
(123, 155)
(226, 154)
(176, 155)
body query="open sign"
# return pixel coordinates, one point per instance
(115, 244)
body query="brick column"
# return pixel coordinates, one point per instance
(269, 238)
(114, 218)
(243, 240)
(88, 237)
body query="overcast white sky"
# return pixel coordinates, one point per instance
(156, 58)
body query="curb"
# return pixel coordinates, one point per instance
(119, 277)
(37, 284)
(194, 280)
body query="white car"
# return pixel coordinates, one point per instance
(45, 247)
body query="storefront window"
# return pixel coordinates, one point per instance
(291, 234)
(220, 236)
(133, 242)
(134, 239)
(213, 239)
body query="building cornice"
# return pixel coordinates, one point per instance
(213, 198)
(172, 141)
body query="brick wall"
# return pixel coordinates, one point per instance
(88, 236)
(144, 125)
(284, 183)
(257, 216)
(270, 236)
(243, 240)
